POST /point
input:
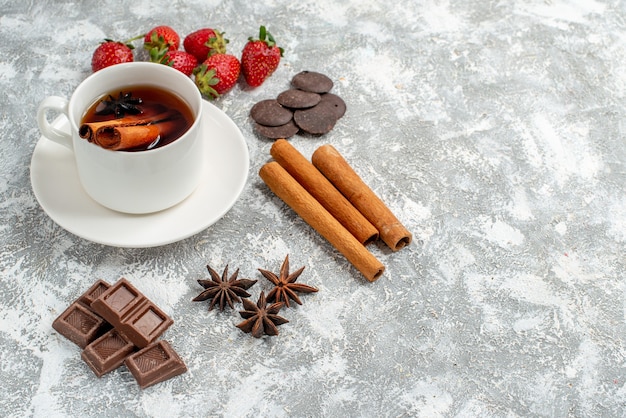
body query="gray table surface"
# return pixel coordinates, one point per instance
(493, 130)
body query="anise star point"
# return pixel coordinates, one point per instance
(259, 318)
(285, 286)
(224, 290)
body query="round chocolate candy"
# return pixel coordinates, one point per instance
(298, 99)
(318, 120)
(277, 132)
(270, 113)
(312, 81)
(336, 102)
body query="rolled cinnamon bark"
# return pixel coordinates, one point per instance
(127, 137)
(314, 214)
(129, 132)
(321, 189)
(328, 160)
(90, 130)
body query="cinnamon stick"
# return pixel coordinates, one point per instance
(328, 160)
(90, 130)
(129, 132)
(127, 137)
(314, 214)
(321, 189)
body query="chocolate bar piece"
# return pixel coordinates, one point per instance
(78, 323)
(155, 363)
(110, 323)
(108, 352)
(98, 288)
(129, 311)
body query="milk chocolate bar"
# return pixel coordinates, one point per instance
(79, 323)
(108, 352)
(155, 363)
(110, 323)
(132, 313)
(98, 288)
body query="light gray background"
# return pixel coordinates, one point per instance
(493, 129)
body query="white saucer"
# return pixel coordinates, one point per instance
(56, 186)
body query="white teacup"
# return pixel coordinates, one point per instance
(131, 182)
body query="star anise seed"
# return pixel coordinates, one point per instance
(285, 286)
(224, 290)
(124, 103)
(261, 319)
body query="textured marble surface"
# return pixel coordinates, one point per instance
(493, 129)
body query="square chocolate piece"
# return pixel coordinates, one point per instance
(155, 363)
(117, 301)
(108, 352)
(80, 325)
(146, 324)
(93, 292)
(129, 311)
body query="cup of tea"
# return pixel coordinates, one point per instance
(136, 135)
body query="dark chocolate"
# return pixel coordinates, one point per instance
(155, 363)
(270, 113)
(108, 352)
(298, 99)
(336, 103)
(312, 81)
(129, 311)
(277, 132)
(317, 120)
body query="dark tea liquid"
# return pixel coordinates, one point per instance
(155, 103)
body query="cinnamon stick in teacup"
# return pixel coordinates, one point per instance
(314, 214)
(129, 132)
(321, 189)
(119, 138)
(328, 160)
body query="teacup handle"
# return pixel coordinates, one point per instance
(59, 105)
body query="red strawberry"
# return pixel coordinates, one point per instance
(205, 42)
(259, 58)
(217, 75)
(180, 60)
(161, 37)
(112, 52)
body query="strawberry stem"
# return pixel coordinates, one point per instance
(126, 42)
(159, 55)
(205, 79)
(135, 38)
(266, 36)
(262, 33)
